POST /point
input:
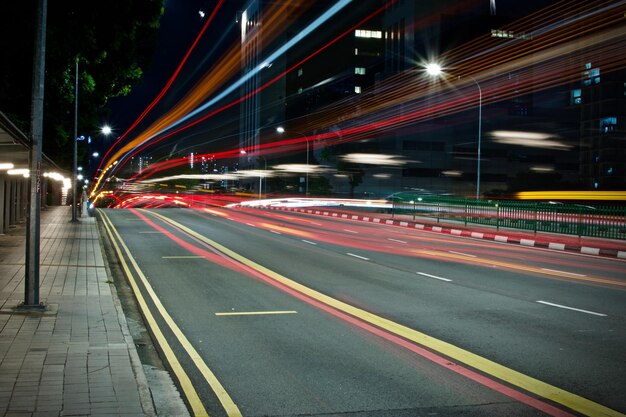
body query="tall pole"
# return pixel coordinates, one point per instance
(480, 122)
(281, 130)
(261, 176)
(75, 168)
(306, 192)
(31, 281)
(434, 69)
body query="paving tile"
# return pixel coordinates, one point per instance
(70, 359)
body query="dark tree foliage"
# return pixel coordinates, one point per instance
(112, 40)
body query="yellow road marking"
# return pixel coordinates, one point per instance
(530, 384)
(254, 313)
(524, 268)
(194, 400)
(185, 383)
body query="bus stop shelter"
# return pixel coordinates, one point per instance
(15, 149)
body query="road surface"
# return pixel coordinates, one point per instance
(264, 313)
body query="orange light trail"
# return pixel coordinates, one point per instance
(594, 32)
(195, 97)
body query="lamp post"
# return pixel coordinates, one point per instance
(435, 70)
(75, 170)
(243, 152)
(261, 176)
(281, 130)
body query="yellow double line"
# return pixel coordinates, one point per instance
(486, 366)
(187, 387)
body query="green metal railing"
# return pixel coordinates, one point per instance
(571, 219)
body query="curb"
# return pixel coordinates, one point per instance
(496, 237)
(145, 394)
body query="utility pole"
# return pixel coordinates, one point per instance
(75, 167)
(31, 285)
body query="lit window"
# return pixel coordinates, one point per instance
(357, 89)
(576, 97)
(360, 33)
(496, 33)
(359, 70)
(356, 51)
(591, 76)
(608, 124)
(300, 90)
(300, 72)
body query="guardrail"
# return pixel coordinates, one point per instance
(572, 219)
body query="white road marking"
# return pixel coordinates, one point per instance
(433, 276)
(275, 232)
(571, 308)
(357, 256)
(396, 240)
(250, 224)
(309, 242)
(461, 253)
(563, 272)
(350, 231)
(254, 313)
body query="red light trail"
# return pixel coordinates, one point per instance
(557, 32)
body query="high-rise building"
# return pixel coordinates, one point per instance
(444, 150)
(599, 99)
(283, 91)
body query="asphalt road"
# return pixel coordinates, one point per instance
(281, 314)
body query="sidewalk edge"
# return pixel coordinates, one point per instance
(147, 402)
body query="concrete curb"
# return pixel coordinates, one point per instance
(145, 395)
(496, 237)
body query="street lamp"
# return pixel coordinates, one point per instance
(243, 152)
(74, 171)
(435, 70)
(281, 130)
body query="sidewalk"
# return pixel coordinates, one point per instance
(76, 358)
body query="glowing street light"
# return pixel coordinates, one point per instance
(434, 69)
(106, 130)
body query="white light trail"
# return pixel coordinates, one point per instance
(280, 51)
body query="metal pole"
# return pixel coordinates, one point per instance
(480, 121)
(75, 168)
(31, 281)
(261, 176)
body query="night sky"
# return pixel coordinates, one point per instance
(180, 25)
